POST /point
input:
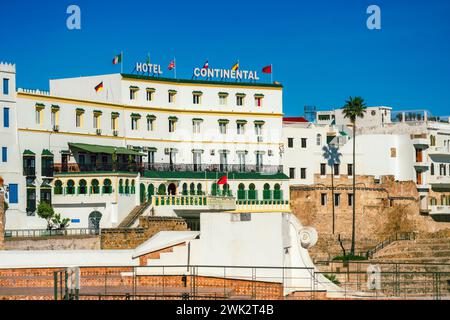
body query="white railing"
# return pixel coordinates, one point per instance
(262, 205)
(34, 91)
(440, 209)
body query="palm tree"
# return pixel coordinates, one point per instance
(332, 155)
(354, 108)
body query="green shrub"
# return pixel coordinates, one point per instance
(332, 278)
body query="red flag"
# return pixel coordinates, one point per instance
(222, 180)
(171, 65)
(267, 69)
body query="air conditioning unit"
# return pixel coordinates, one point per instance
(99, 131)
(260, 139)
(212, 152)
(115, 133)
(166, 150)
(270, 153)
(56, 128)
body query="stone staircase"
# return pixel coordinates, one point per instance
(134, 215)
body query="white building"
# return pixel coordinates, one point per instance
(99, 154)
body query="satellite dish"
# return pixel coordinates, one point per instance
(308, 237)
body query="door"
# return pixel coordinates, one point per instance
(64, 162)
(172, 189)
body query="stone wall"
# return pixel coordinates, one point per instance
(375, 202)
(130, 238)
(54, 243)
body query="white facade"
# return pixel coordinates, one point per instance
(169, 130)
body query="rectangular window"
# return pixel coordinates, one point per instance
(171, 126)
(350, 169)
(337, 199)
(171, 97)
(79, 120)
(223, 161)
(303, 142)
(336, 169)
(6, 117)
(114, 121)
(53, 118)
(223, 128)
(13, 193)
(290, 142)
(150, 124)
(151, 157)
(196, 126)
(133, 94)
(258, 129)
(37, 115)
(291, 173)
(258, 102)
(134, 123)
(197, 161)
(239, 100)
(5, 86)
(350, 199)
(4, 154)
(323, 199)
(149, 95)
(95, 121)
(223, 100)
(302, 173)
(240, 128)
(259, 161)
(323, 169)
(196, 99)
(241, 159)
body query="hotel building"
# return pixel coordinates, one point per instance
(142, 145)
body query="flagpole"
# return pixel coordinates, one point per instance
(175, 68)
(121, 62)
(271, 73)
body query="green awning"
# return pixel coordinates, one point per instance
(28, 153)
(223, 121)
(259, 95)
(80, 110)
(55, 107)
(151, 89)
(115, 114)
(240, 94)
(172, 91)
(92, 148)
(197, 92)
(136, 115)
(223, 94)
(197, 119)
(134, 88)
(97, 112)
(40, 105)
(151, 117)
(47, 153)
(173, 118)
(151, 149)
(259, 122)
(241, 121)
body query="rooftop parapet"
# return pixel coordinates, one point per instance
(7, 67)
(34, 91)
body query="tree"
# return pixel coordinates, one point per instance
(332, 155)
(54, 221)
(353, 109)
(45, 211)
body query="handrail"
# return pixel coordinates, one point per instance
(399, 236)
(34, 233)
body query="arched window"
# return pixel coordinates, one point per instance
(199, 189)
(133, 187)
(82, 187)
(142, 193)
(277, 193)
(214, 189)
(242, 194)
(226, 190)
(95, 186)
(252, 192)
(58, 189)
(319, 139)
(70, 187)
(184, 192)
(267, 194)
(192, 189)
(107, 188)
(94, 220)
(127, 186)
(150, 190)
(121, 186)
(162, 190)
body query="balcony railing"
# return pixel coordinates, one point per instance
(165, 167)
(34, 233)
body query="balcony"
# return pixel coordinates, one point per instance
(104, 167)
(29, 171)
(195, 202)
(440, 181)
(439, 151)
(439, 210)
(420, 140)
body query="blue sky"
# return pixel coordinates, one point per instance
(321, 50)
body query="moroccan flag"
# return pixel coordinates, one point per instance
(267, 69)
(223, 180)
(206, 65)
(171, 65)
(236, 66)
(99, 87)
(117, 59)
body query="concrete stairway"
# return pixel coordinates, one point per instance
(415, 251)
(133, 215)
